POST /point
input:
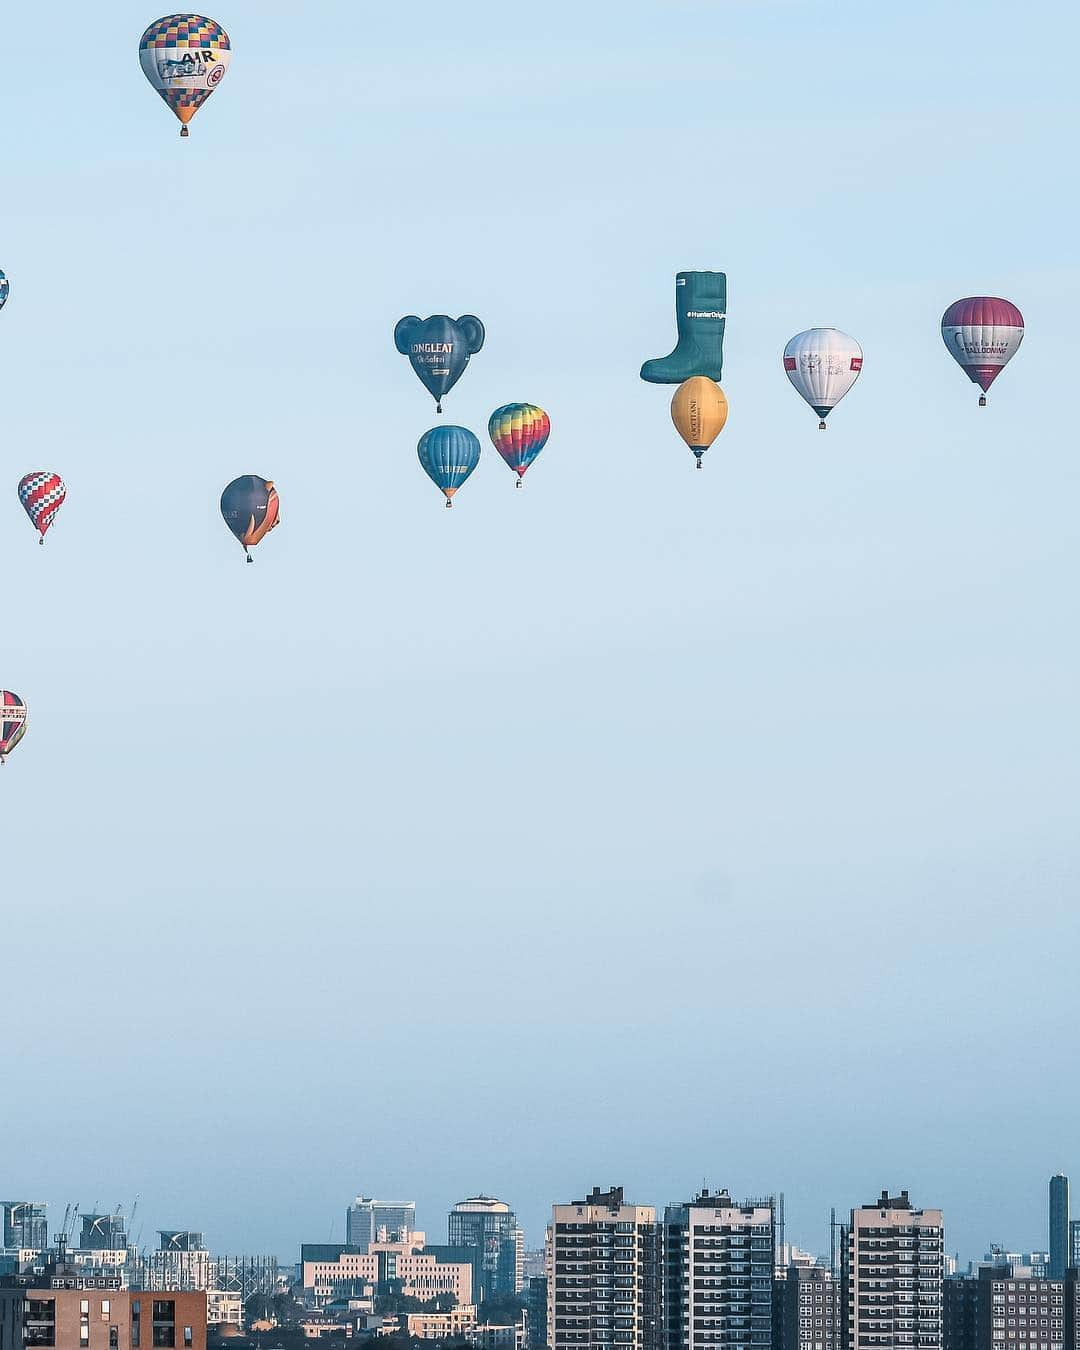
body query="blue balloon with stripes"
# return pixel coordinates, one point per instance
(448, 455)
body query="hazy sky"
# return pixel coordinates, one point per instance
(645, 826)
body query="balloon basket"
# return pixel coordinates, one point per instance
(698, 463)
(520, 483)
(821, 425)
(982, 400)
(449, 504)
(184, 131)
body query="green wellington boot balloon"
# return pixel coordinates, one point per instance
(700, 305)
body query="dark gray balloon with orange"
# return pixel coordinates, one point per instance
(250, 508)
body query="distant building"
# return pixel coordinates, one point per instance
(536, 1310)
(894, 1272)
(718, 1261)
(535, 1263)
(1059, 1226)
(62, 1317)
(103, 1233)
(224, 1310)
(603, 1274)
(331, 1272)
(441, 1326)
(999, 1311)
(25, 1225)
(366, 1219)
(490, 1226)
(1074, 1244)
(807, 1309)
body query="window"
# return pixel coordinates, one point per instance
(114, 1338)
(187, 1336)
(84, 1307)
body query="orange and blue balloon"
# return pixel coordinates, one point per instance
(519, 431)
(448, 456)
(250, 508)
(42, 494)
(185, 57)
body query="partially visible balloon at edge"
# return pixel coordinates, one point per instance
(699, 410)
(519, 431)
(5, 289)
(12, 722)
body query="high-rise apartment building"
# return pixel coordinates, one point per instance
(894, 1272)
(1005, 1308)
(1074, 1244)
(718, 1261)
(1059, 1226)
(103, 1233)
(490, 1226)
(366, 1219)
(807, 1311)
(25, 1226)
(603, 1274)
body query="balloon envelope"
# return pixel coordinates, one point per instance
(519, 431)
(185, 57)
(983, 333)
(5, 288)
(439, 348)
(12, 722)
(699, 409)
(42, 494)
(249, 506)
(823, 364)
(448, 455)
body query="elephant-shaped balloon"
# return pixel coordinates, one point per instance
(439, 348)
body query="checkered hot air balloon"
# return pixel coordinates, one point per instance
(12, 722)
(519, 431)
(42, 494)
(185, 57)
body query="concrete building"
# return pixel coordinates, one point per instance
(330, 1272)
(894, 1272)
(1059, 1226)
(536, 1311)
(718, 1262)
(63, 1314)
(807, 1309)
(1074, 1244)
(24, 1225)
(441, 1326)
(490, 1226)
(366, 1219)
(1001, 1309)
(103, 1233)
(603, 1274)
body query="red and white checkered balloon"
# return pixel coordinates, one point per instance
(42, 495)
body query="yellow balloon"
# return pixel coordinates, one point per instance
(699, 411)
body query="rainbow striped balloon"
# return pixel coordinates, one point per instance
(519, 431)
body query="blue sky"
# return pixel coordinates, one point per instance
(644, 826)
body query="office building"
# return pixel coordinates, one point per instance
(367, 1219)
(59, 1311)
(807, 1311)
(603, 1274)
(103, 1233)
(718, 1262)
(894, 1271)
(330, 1271)
(490, 1226)
(25, 1225)
(1074, 1244)
(1059, 1226)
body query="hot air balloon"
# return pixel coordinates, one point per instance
(448, 455)
(823, 364)
(185, 57)
(42, 494)
(12, 722)
(519, 431)
(700, 311)
(699, 410)
(250, 508)
(439, 349)
(983, 334)
(5, 287)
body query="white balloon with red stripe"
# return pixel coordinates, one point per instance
(42, 494)
(822, 364)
